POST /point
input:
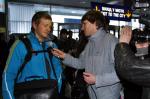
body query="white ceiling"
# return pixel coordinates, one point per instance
(82, 3)
(73, 3)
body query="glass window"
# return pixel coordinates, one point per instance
(20, 15)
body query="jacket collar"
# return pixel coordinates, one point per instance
(98, 35)
(33, 37)
(35, 40)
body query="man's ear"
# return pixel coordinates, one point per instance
(34, 25)
(96, 25)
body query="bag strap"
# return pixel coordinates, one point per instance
(51, 62)
(47, 65)
(28, 56)
(50, 57)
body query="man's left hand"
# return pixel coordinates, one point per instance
(89, 78)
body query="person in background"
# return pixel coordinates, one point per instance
(131, 66)
(132, 90)
(79, 87)
(36, 67)
(62, 41)
(72, 43)
(97, 58)
(83, 40)
(67, 79)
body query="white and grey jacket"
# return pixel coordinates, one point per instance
(98, 58)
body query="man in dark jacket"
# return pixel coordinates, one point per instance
(133, 68)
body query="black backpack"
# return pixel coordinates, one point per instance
(28, 56)
(30, 52)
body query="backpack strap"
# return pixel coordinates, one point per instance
(28, 56)
(52, 65)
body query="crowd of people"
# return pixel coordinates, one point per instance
(97, 66)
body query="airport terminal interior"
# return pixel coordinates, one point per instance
(16, 15)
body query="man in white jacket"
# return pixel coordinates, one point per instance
(97, 58)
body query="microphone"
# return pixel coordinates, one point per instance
(50, 44)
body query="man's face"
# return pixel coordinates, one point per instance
(89, 28)
(43, 28)
(63, 36)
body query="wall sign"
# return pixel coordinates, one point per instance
(113, 12)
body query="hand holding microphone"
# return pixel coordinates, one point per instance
(58, 53)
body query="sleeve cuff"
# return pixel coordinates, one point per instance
(66, 58)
